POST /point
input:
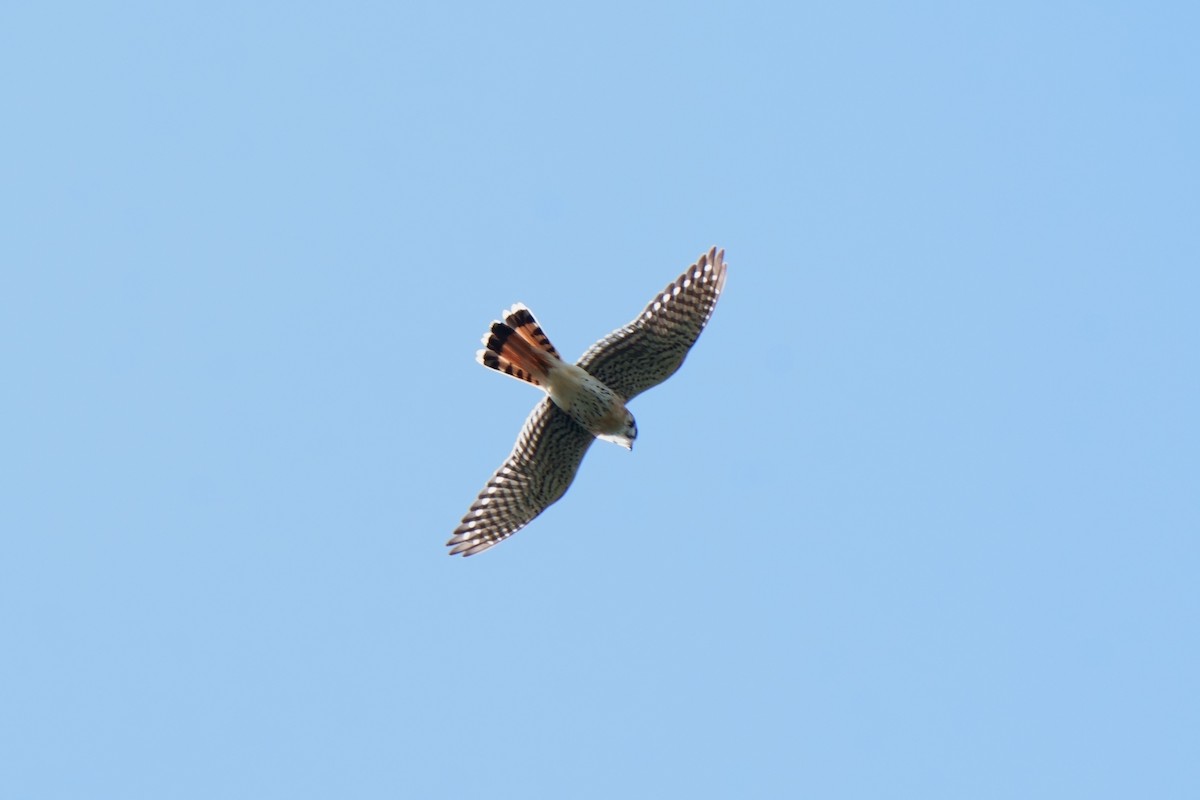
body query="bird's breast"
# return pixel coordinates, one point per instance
(589, 402)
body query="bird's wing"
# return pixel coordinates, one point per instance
(541, 466)
(649, 349)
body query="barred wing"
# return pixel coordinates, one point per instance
(541, 466)
(648, 350)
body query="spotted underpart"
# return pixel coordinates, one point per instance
(551, 444)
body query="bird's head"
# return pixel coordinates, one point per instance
(627, 434)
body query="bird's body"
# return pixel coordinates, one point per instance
(584, 401)
(518, 347)
(592, 404)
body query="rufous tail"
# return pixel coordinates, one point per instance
(518, 347)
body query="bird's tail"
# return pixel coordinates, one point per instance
(518, 347)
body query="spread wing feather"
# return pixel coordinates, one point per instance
(537, 472)
(649, 349)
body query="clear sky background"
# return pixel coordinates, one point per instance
(918, 518)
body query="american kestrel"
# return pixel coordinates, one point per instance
(585, 400)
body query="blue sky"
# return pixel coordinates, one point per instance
(917, 518)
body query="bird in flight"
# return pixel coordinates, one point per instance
(585, 400)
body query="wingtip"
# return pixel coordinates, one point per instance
(714, 258)
(469, 548)
(716, 262)
(457, 545)
(466, 541)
